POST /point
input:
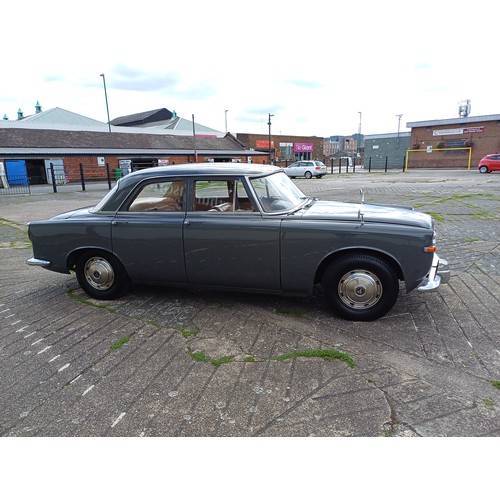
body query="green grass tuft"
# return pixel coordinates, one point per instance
(328, 354)
(119, 343)
(188, 333)
(297, 313)
(221, 360)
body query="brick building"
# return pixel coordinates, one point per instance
(32, 150)
(453, 143)
(285, 149)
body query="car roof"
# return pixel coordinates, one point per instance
(128, 182)
(190, 169)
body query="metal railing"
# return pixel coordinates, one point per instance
(83, 177)
(14, 184)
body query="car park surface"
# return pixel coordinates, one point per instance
(164, 362)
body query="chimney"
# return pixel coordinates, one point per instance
(5, 117)
(19, 114)
(38, 108)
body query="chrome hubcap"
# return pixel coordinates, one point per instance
(99, 273)
(360, 289)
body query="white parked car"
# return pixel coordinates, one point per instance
(307, 169)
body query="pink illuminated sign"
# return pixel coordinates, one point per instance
(303, 147)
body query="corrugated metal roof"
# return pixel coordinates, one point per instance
(141, 117)
(388, 136)
(61, 116)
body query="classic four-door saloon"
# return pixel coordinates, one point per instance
(241, 228)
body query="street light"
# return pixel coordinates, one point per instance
(399, 126)
(269, 123)
(106, 97)
(225, 112)
(359, 135)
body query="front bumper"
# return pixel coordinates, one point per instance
(438, 274)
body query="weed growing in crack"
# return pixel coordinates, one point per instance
(187, 333)
(328, 354)
(119, 343)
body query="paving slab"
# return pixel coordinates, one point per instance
(197, 363)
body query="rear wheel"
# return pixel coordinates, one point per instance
(483, 169)
(308, 175)
(360, 287)
(101, 275)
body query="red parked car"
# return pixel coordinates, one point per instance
(489, 163)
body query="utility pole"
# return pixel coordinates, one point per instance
(399, 126)
(269, 123)
(106, 97)
(194, 142)
(359, 136)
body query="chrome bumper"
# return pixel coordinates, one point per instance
(438, 275)
(37, 262)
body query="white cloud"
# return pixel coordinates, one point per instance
(314, 65)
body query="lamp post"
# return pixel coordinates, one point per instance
(269, 123)
(399, 126)
(225, 113)
(359, 136)
(106, 97)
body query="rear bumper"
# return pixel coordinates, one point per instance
(438, 274)
(37, 262)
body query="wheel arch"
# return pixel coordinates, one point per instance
(388, 259)
(74, 255)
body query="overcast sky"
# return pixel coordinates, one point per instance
(315, 65)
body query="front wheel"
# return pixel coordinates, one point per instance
(360, 287)
(483, 169)
(101, 275)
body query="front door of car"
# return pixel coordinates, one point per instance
(301, 168)
(227, 241)
(147, 234)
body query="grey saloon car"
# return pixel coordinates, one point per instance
(245, 228)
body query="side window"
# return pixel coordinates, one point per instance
(159, 197)
(220, 196)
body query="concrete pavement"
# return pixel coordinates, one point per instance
(167, 362)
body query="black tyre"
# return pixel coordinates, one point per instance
(483, 169)
(101, 275)
(308, 175)
(360, 287)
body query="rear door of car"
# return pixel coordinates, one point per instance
(227, 242)
(147, 232)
